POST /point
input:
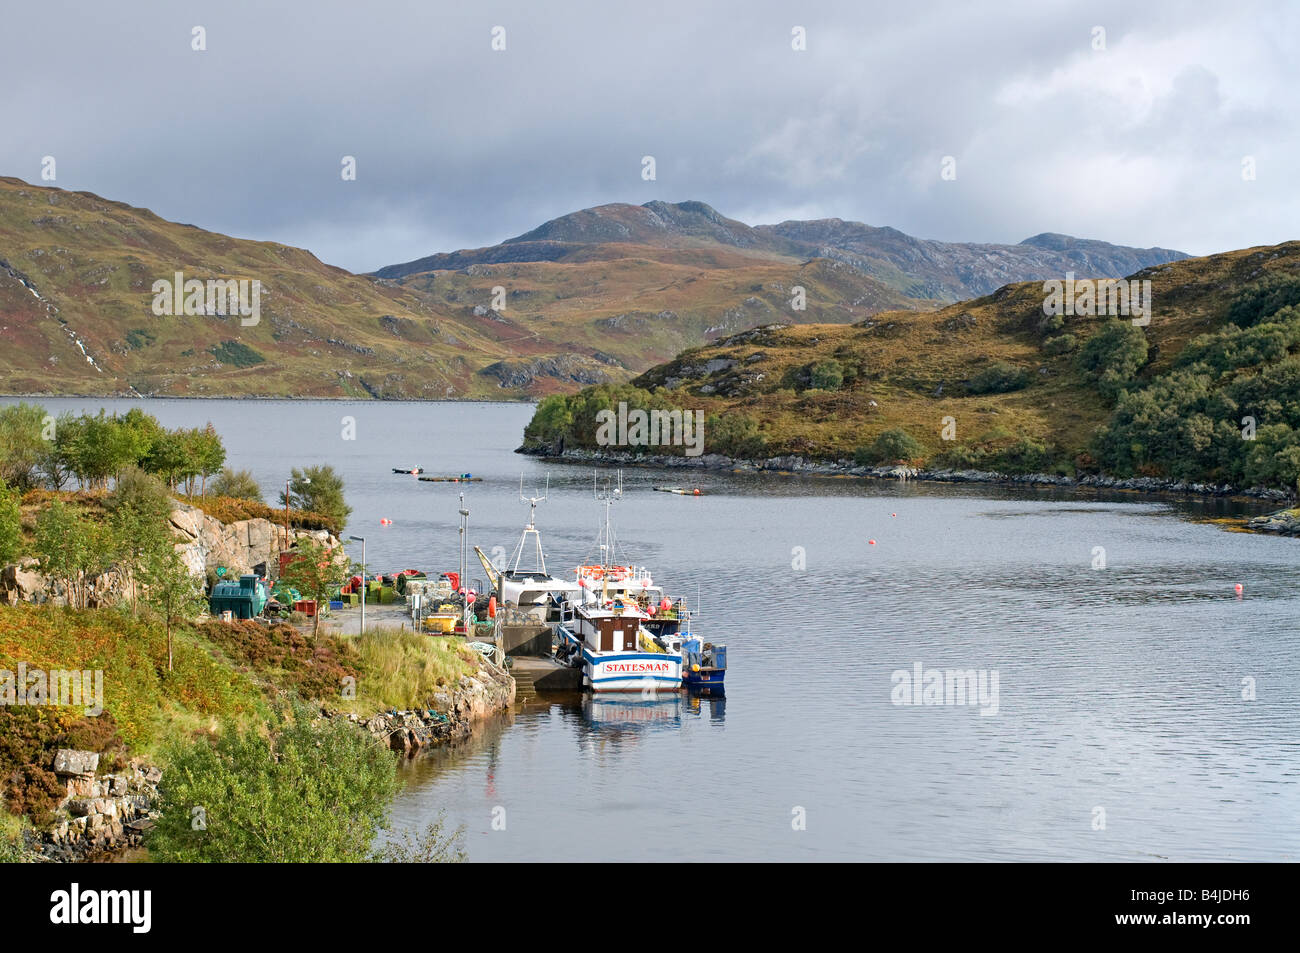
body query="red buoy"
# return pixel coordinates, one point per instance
(871, 542)
(1240, 589)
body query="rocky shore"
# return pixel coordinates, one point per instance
(452, 718)
(1282, 523)
(800, 465)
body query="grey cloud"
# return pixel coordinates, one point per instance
(459, 146)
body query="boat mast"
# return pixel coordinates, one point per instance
(607, 495)
(531, 528)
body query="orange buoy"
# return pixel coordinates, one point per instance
(697, 492)
(492, 607)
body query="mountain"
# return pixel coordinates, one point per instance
(76, 311)
(915, 268)
(1207, 391)
(594, 297)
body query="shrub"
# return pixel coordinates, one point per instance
(1061, 344)
(890, 446)
(319, 490)
(1024, 456)
(432, 845)
(236, 353)
(827, 375)
(11, 525)
(1264, 299)
(238, 484)
(1113, 356)
(734, 435)
(315, 790)
(998, 378)
(961, 458)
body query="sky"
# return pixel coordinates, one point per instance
(1152, 123)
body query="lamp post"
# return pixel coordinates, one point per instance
(362, 541)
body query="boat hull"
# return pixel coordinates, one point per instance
(632, 671)
(704, 678)
(628, 671)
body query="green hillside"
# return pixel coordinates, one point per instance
(1017, 390)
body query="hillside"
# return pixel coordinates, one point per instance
(1024, 391)
(77, 270)
(593, 297)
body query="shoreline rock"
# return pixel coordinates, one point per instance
(490, 691)
(1281, 523)
(798, 465)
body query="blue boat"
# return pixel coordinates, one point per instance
(704, 664)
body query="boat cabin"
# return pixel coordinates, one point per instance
(612, 629)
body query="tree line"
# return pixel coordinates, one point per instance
(37, 449)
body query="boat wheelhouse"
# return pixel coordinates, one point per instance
(617, 654)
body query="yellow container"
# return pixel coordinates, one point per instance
(440, 623)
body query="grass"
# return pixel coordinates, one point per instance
(225, 675)
(403, 669)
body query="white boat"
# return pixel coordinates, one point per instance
(617, 654)
(531, 594)
(604, 629)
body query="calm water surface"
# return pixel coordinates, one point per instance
(1120, 689)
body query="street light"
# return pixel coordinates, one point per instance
(362, 541)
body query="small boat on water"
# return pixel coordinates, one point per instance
(679, 490)
(411, 470)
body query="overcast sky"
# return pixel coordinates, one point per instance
(457, 145)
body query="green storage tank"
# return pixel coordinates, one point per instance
(244, 599)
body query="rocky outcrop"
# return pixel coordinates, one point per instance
(100, 813)
(1281, 523)
(24, 582)
(566, 368)
(207, 543)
